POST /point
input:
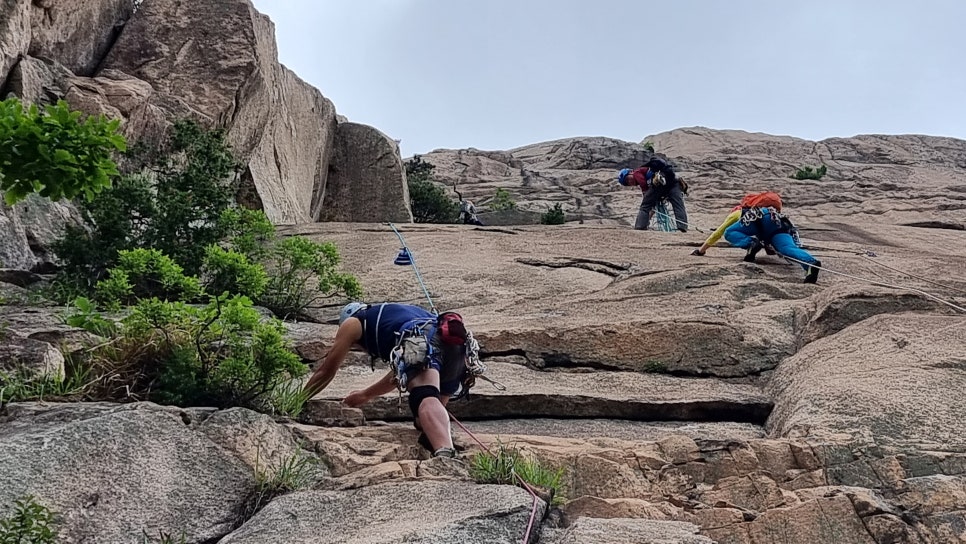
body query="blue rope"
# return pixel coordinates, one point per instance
(663, 219)
(412, 261)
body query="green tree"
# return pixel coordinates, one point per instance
(648, 146)
(428, 201)
(174, 204)
(55, 152)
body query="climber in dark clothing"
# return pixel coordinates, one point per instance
(657, 181)
(467, 210)
(428, 352)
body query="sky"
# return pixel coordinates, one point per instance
(499, 74)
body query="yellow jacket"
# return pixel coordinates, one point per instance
(732, 218)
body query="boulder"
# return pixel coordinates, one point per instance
(394, 512)
(29, 228)
(367, 179)
(115, 474)
(28, 357)
(878, 375)
(288, 170)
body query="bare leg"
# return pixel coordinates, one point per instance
(433, 418)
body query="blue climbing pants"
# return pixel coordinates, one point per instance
(768, 231)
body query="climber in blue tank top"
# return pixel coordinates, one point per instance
(432, 370)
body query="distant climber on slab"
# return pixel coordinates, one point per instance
(467, 210)
(657, 181)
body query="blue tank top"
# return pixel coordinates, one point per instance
(381, 324)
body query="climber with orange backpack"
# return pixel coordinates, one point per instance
(763, 225)
(766, 199)
(433, 357)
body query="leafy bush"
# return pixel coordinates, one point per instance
(554, 216)
(55, 153)
(648, 146)
(174, 203)
(508, 462)
(227, 271)
(219, 355)
(428, 201)
(502, 201)
(295, 264)
(807, 172)
(29, 523)
(146, 273)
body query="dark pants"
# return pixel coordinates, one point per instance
(654, 195)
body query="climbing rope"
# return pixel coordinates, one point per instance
(663, 219)
(867, 256)
(880, 283)
(406, 257)
(669, 219)
(523, 483)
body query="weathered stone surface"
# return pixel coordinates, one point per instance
(20, 278)
(289, 167)
(394, 512)
(624, 395)
(14, 35)
(367, 180)
(77, 33)
(28, 228)
(113, 474)
(255, 438)
(878, 375)
(31, 357)
(626, 531)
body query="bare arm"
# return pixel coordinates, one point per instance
(381, 387)
(349, 333)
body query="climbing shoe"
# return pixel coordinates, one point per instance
(445, 452)
(770, 250)
(811, 276)
(752, 251)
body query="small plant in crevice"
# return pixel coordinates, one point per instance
(294, 473)
(807, 172)
(29, 523)
(553, 216)
(655, 366)
(164, 538)
(501, 466)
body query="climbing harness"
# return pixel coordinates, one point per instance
(523, 483)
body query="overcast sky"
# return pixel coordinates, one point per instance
(497, 74)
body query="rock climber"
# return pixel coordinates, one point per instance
(427, 353)
(467, 210)
(759, 226)
(763, 199)
(657, 181)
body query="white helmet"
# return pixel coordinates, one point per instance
(349, 310)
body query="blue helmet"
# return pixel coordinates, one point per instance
(349, 310)
(622, 176)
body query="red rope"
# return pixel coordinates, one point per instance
(525, 485)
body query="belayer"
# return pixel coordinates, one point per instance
(657, 181)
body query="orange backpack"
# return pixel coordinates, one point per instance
(766, 199)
